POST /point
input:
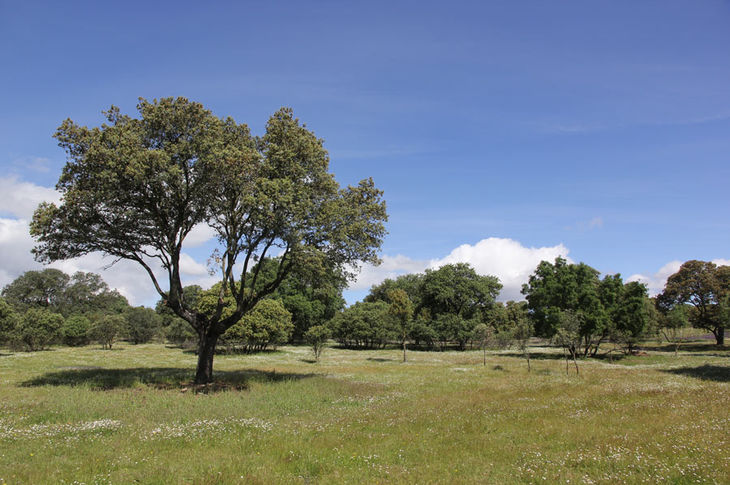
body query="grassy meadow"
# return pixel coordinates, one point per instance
(93, 416)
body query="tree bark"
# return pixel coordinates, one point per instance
(720, 336)
(206, 352)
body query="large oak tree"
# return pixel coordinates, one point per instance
(134, 188)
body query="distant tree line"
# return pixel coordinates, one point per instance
(41, 308)
(451, 307)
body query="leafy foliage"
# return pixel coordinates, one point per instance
(8, 320)
(401, 308)
(268, 324)
(79, 294)
(75, 330)
(38, 328)
(365, 325)
(142, 324)
(107, 329)
(134, 188)
(317, 337)
(706, 287)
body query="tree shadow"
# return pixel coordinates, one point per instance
(704, 347)
(158, 377)
(534, 355)
(379, 359)
(705, 372)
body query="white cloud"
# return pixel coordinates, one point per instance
(191, 267)
(655, 282)
(507, 259)
(391, 267)
(15, 245)
(199, 235)
(20, 199)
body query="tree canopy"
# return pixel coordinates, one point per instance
(706, 287)
(134, 188)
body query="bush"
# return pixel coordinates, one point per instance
(142, 324)
(107, 329)
(75, 330)
(269, 323)
(317, 337)
(38, 328)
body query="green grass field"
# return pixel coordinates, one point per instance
(126, 416)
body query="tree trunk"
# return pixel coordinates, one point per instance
(404, 349)
(527, 356)
(484, 350)
(720, 336)
(206, 352)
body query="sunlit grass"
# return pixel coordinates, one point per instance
(93, 416)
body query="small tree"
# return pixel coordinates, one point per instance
(483, 336)
(672, 323)
(317, 337)
(521, 334)
(38, 328)
(567, 335)
(107, 329)
(75, 330)
(401, 308)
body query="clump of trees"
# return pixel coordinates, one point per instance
(41, 308)
(446, 304)
(570, 303)
(364, 325)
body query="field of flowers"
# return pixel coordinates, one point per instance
(129, 416)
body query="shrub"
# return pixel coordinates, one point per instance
(75, 330)
(268, 324)
(38, 328)
(142, 324)
(107, 329)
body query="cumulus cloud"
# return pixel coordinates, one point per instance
(15, 245)
(390, 267)
(505, 258)
(20, 199)
(199, 235)
(655, 282)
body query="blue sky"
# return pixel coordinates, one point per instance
(596, 129)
